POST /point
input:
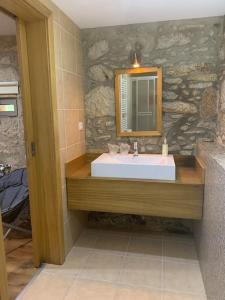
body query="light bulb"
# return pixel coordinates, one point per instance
(136, 63)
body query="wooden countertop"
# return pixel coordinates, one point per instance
(181, 198)
(189, 170)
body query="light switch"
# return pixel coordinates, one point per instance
(80, 125)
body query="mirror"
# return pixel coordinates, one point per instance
(139, 102)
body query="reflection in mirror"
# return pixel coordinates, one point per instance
(138, 102)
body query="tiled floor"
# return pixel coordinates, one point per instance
(107, 265)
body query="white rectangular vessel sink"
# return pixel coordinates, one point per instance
(143, 166)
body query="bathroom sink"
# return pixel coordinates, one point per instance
(143, 166)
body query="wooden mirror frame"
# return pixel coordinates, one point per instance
(158, 131)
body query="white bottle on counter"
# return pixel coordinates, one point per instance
(165, 148)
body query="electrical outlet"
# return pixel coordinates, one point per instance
(80, 125)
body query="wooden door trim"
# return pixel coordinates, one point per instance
(3, 274)
(26, 10)
(37, 70)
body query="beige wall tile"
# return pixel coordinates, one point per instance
(69, 25)
(64, 202)
(68, 237)
(70, 98)
(70, 90)
(71, 123)
(68, 52)
(59, 88)
(61, 126)
(75, 151)
(57, 44)
(81, 148)
(80, 92)
(71, 152)
(72, 228)
(79, 55)
(62, 164)
(81, 118)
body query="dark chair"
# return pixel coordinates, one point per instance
(14, 198)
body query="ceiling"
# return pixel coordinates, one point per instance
(98, 13)
(7, 25)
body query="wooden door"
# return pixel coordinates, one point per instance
(37, 72)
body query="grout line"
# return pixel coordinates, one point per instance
(87, 258)
(184, 261)
(95, 237)
(73, 35)
(184, 292)
(69, 288)
(124, 256)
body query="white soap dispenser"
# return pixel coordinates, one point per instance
(165, 148)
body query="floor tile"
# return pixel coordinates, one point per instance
(114, 265)
(176, 296)
(183, 277)
(87, 239)
(179, 250)
(116, 231)
(113, 242)
(102, 266)
(74, 264)
(142, 272)
(130, 293)
(186, 238)
(91, 290)
(47, 287)
(144, 245)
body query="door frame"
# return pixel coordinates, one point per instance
(35, 42)
(4, 295)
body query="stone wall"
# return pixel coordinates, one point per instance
(12, 149)
(139, 223)
(188, 53)
(221, 91)
(210, 231)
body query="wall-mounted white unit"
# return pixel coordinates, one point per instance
(9, 88)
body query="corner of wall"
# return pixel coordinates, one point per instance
(70, 107)
(221, 90)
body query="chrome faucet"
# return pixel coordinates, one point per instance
(135, 149)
